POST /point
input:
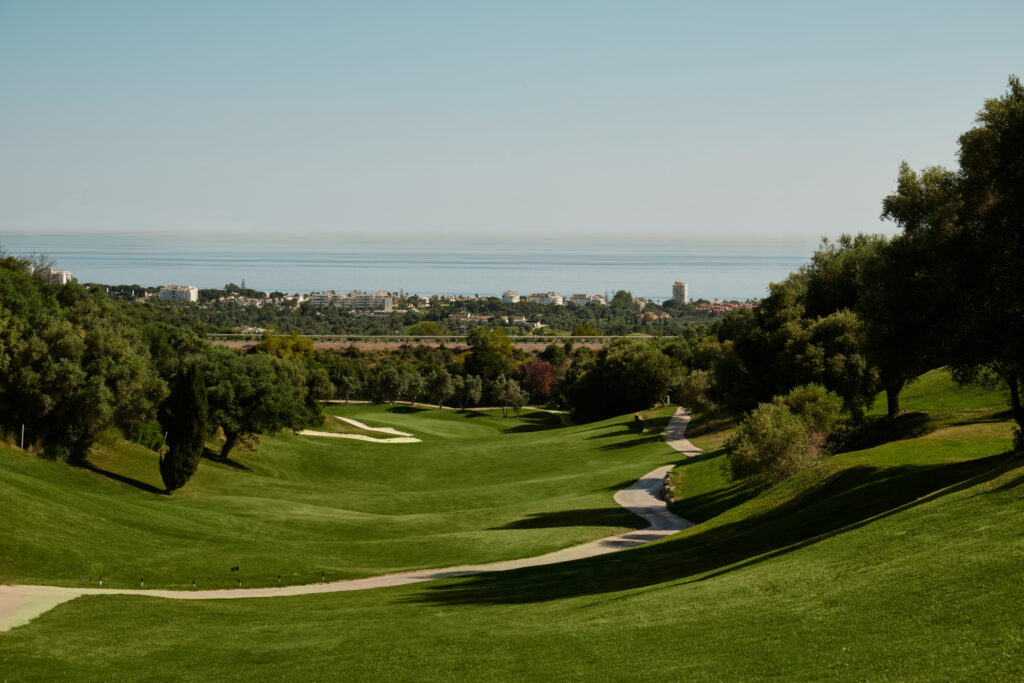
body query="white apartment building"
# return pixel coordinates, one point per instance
(510, 297)
(356, 301)
(584, 299)
(57, 278)
(681, 293)
(186, 293)
(546, 298)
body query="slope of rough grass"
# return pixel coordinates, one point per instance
(478, 488)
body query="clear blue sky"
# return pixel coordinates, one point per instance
(748, 120)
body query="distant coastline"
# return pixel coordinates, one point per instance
(455, 266)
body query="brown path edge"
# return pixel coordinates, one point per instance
(19, 604)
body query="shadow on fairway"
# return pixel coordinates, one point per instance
(709, 505)
(141, 485)
(882, 430)
(213, 456)
(615, 517)
(535, 422)
(845, 501)
(404, 410)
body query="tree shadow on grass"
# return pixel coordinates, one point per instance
(141, 485)
(639, 441)
(844, 501)
(709, 505)
(535, 422)
(883, 430)
(1002, 416)
(214, 456)
(613, 517)
(406, 410)
(615, 487)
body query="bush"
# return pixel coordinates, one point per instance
(820, 409)
(771, 445)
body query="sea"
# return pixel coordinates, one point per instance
(647, 267)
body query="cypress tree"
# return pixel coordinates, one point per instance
(185, 419)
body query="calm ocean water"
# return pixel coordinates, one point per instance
(647, 268)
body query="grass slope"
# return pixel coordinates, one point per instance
(898, 561)
(478, 488)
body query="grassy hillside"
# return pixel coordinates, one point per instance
(478, 488)
(897, 561)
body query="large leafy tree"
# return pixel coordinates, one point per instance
(628, 374)
(490, 354)
(972, 222)
(256, 394)
(77, 367)
(439, 386)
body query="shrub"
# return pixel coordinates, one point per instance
(820, 409)
(772, 444)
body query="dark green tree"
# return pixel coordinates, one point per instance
(971, 221)
(255, 394)
(439, 386)
(469, 389)
(490, 353)
(184, 418)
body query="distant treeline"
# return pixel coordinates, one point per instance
(621, 317)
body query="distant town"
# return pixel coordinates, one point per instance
(547, 312)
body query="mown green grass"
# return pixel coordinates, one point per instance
(478, 488)
(902, 561)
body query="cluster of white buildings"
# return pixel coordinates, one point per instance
(553, 298)
(355, 301)
(57, 278)
(186, 293)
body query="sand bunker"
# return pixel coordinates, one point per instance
(397, 436)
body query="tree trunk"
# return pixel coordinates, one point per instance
(229, 443)
(892, 398)
(1013, 381)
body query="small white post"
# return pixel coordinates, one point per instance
(22, 436)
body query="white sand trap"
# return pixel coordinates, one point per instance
(397, 436)
(20, 604)
(361, 437)
(382, 430)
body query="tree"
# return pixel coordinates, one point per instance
(426, 328)
(286, 346)
(77, 367)
(349, 385)
(508, 394)
(538, 379)
(585, 330)
(469, 389)
(830, 351)
(255, 394)
(694, 392)
(184, 418)
(627, 375)
(902, 309)
(490, 354)
(972, 219)
(414, 386)
(390, 382)
(439, 386)
(622, 299)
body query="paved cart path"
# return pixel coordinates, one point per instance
(20, 604)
